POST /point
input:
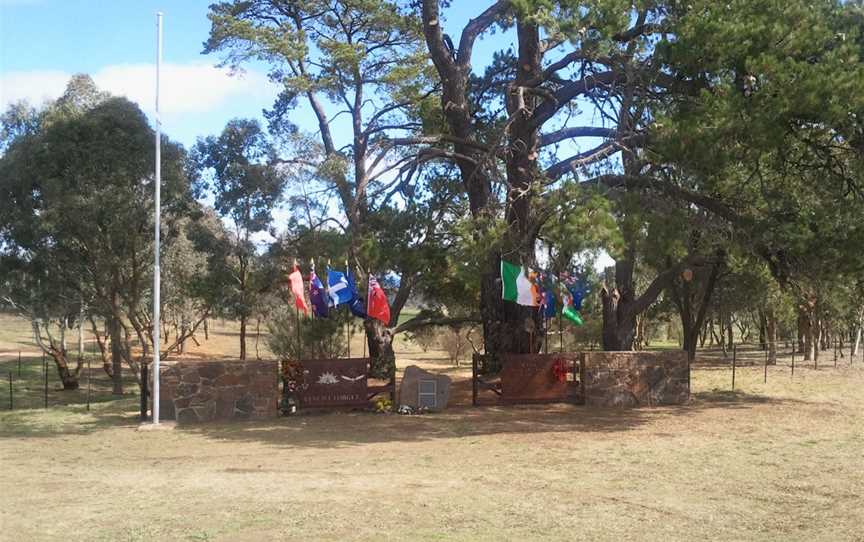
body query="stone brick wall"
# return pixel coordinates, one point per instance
(203, 391)
(629, 379)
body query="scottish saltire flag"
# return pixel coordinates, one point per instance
(317, 297)
(339, 290)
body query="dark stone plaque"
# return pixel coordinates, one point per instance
(334, 383)
(527, 378)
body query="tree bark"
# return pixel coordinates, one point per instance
(763, 330)
(68, 377)
(116, 356)
(379, 339)
(771, 335)
(693, 306)
(856, 344)
(242, 337)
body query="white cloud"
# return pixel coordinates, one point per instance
(35, 86)
(184, 88)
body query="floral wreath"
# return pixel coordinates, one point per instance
(560, 370)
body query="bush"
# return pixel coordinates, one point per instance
(425, 338)
(319, 338)
(454, 343)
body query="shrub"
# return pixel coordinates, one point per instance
(319, 338)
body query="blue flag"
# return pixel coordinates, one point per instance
(577, 292)
(316, 296)
(549, 305)
(339, 290)
(357, 306)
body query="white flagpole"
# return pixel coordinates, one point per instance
(158, 212)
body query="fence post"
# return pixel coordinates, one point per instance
(11, 402)
(835, 353)
(45, 370)
(19, 364)
(734, 359)
(144, 391)
(768, 347)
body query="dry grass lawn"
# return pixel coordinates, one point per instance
(782, 461)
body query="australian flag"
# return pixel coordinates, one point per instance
(316, 296)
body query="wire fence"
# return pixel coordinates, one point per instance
(33, 381)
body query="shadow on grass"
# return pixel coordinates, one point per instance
(68, 420)
(345, 429)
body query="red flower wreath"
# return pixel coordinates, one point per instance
(559, 370)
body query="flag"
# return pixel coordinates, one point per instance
(338, 289)
(296, 280)
(572, 302)
(577, 293)
(549, 305)
(316, 296)
(572, 314)
(356, 305)
(518, 284)
(378, 307)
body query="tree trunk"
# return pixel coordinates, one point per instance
(803, 330)
(731, 337)
(619, 325)
(68, 377)
(856, 343)
(116, 356)
(379, 338)
(507, 327)
(103, 348)
(763, 330)
(242, 337)
(771, 335)
(257, 337)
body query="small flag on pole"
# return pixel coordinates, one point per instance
(517, 284)
(296, 280)
(338, 289)
(356, 304)
(550, 307)
(378, 306)
(317, 297)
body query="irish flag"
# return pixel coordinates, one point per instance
(518, 284)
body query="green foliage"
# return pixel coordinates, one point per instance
(318, 338)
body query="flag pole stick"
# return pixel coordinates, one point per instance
(367, 316)
(350, 322)
(157, 212)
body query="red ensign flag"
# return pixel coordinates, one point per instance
(296, 280)
(378, 307)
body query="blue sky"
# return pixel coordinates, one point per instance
(43, 42)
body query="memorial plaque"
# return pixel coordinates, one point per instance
(334, 383)
(534, 378)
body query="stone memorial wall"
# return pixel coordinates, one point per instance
(203, 391)
(630, 379)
